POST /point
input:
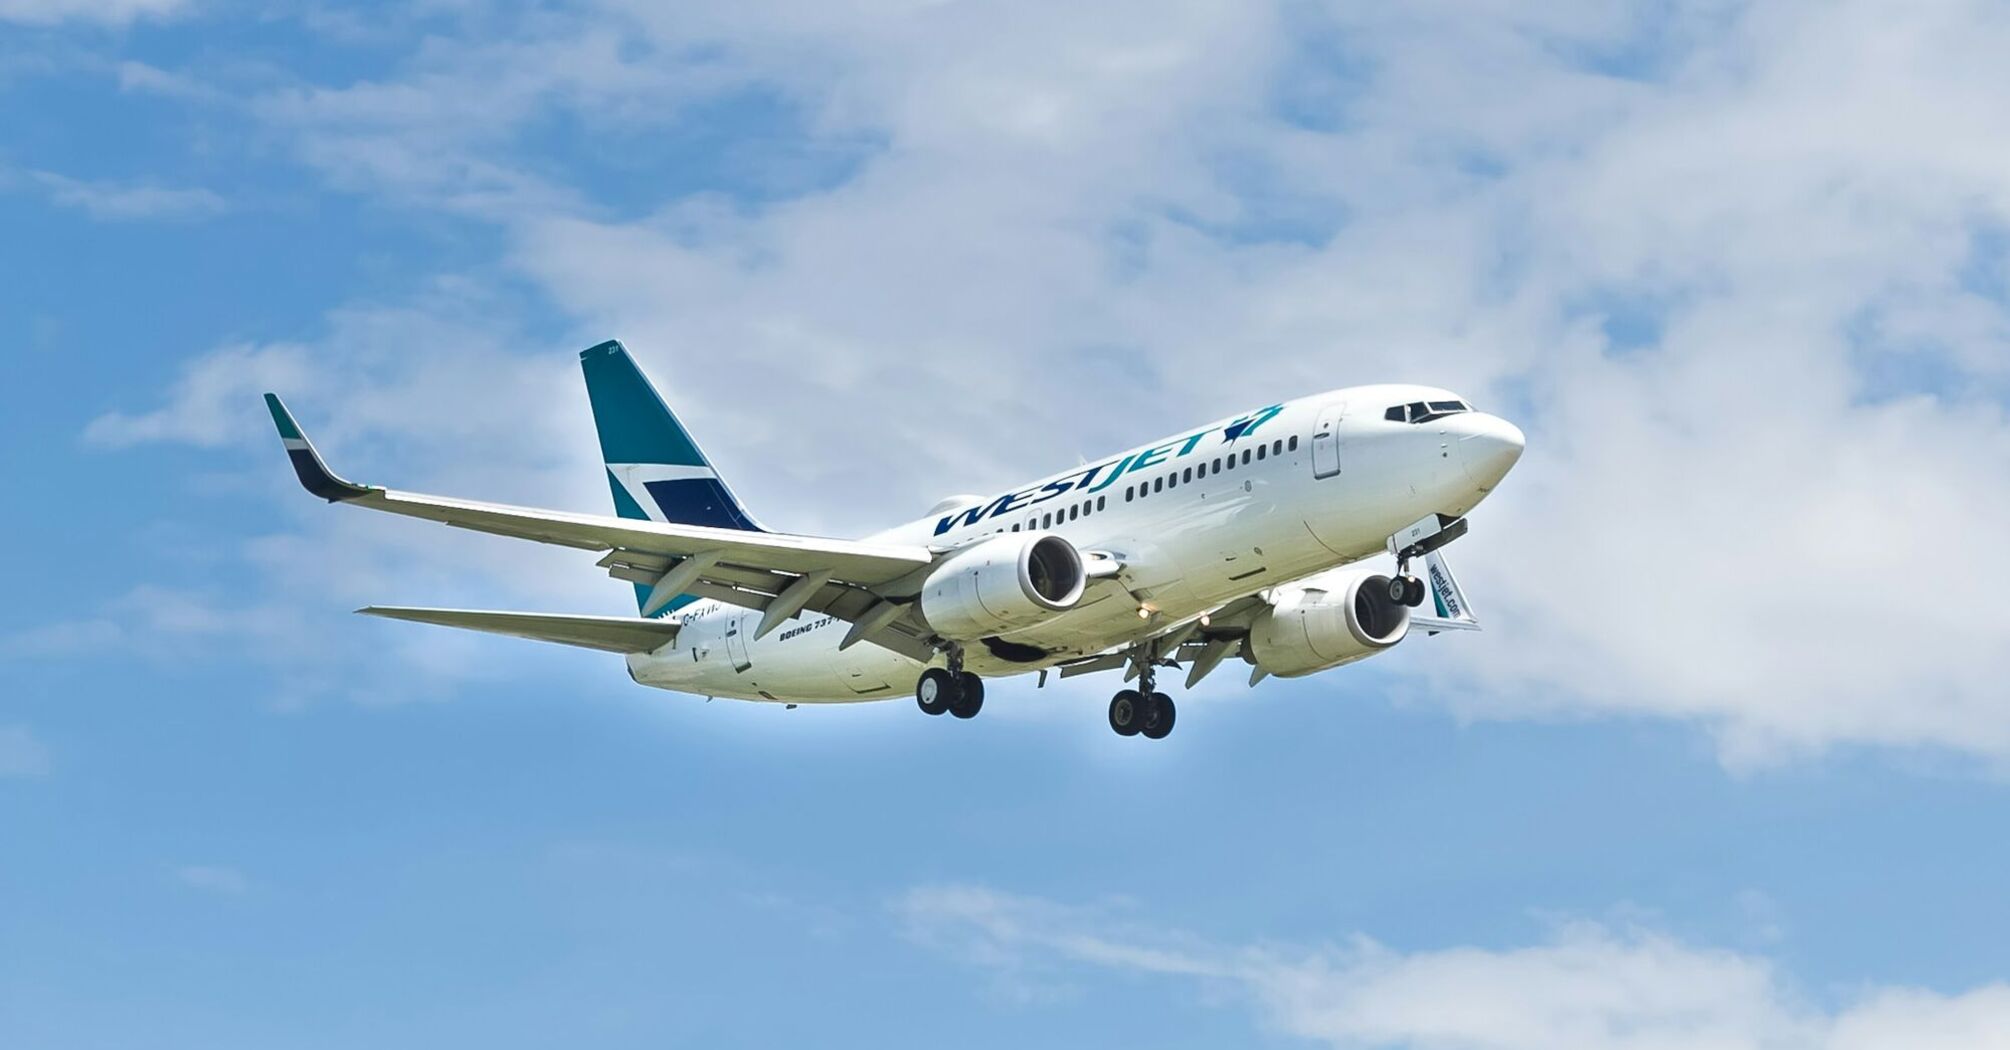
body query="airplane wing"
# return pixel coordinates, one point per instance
(614, 634)
(776, 573)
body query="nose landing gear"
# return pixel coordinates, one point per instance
(1405, 589)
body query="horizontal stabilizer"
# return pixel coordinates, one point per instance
(614, 634)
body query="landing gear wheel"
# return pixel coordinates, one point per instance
(1158, 717)
(1399, 589)
(969, 696)
(1127, 713)
(936, 691)
(1415, 591)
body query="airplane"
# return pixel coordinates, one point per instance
(1239, 538)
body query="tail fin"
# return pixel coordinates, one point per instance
(655, 470)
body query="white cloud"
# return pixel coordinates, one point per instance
(61, 639)
(435, 396)
(22, 754)
(105, 12)
(118, 202)
(211, 878)
(1083, 226)
(216, 400)
(1588, 987)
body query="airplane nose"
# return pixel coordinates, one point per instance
(1489, 446)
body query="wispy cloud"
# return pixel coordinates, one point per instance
(215, 400)
(103, 12)
(61, 639)
(22, 754)
(1588, 987)
(128, 202)
(211, 878)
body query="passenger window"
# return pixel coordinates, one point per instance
(1046, 521)
(1277, 447)
(1245, 457)
(1293, 446)
(1099, 502)
(1158, 484)
(1260, 450)
(1015, 528)
(1172, 480)
(1127, 493)
(1074, 512)
(1187, 475)
(1217, 464)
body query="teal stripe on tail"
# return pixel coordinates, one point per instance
(654, 467)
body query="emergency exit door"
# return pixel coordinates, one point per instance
(1326, 443)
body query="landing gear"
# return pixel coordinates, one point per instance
(969, 696)
(936, 691)
(950, 689)
(1127, 713)
(1158, 717)
(1405, 589)
(1143, 710)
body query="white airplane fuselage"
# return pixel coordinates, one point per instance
(1228, 510)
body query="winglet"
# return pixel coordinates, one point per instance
(314, 474)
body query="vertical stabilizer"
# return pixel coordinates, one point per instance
(655, 469)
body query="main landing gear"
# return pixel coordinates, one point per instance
(953, 690)
(1143, 711)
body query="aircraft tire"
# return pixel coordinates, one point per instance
(1127, 712)
(1399, 590)
(936, 691)
(1158, 720)
(1413, 589)
(969, 696)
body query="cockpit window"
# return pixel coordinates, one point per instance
(1424, 411)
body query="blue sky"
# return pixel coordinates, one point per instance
(1723, 771)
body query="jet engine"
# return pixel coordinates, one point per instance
(1333, 619)
(1003, 584)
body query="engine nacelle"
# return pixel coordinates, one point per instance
(1003, 584)
(1336, 619)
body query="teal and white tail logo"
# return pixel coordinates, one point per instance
(654, 468)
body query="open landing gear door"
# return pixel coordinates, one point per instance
(1454, 613)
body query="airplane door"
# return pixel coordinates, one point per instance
(1326, 443)
(736, 643)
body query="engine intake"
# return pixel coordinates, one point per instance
(1003, 584)
(1314, 627)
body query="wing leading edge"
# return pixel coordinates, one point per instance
(767, 571)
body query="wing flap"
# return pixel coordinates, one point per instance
(613, 634)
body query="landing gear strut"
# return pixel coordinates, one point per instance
(954, 690)
(1143, 710)
(1427, 535)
